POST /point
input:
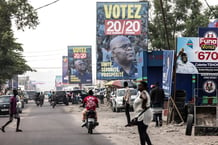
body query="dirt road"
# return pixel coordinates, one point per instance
(112, 125)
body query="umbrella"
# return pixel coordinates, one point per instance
(119, 83)
(109, 83)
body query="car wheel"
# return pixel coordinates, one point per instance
(189, 125)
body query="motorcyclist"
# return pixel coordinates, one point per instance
(37, 98)
(53, 98)
(90, 103)
(41, 97)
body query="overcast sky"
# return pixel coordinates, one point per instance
(64, 23)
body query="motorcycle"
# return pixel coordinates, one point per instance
(91, 122)
(37, 103)
(53, 103)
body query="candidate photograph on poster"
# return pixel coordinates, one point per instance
(79, 64)
(121, 36)
(186, 56)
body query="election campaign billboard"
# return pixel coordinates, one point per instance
(80, 64)
(168, 61)
(199, 55)
(65, 76)
(58, 81)
(122, 29)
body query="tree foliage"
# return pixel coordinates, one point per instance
(11, 59)
(182, 18)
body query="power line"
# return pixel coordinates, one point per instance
(46, 5)
(41, 60)
(46, 67)
(211, 10)
(57, 54)
(44, 51)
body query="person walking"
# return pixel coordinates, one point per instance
(157, 101)
(126, 98)
(142, 103)
(13, 112)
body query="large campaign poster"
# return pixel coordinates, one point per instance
(80, 64)
(122, 29)
(65, 76)
(168, 61)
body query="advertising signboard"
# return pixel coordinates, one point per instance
(208, 32)
(65, 76)
(58, 81)
(168, 61)
(200, 55)
(209, 40)
(122, 29)
(80, 64)
(213, 24)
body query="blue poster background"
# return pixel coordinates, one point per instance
(168, 60)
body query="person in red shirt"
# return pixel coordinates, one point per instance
(90, 102)
(13, 112)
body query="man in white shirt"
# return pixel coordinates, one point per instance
(184, 66)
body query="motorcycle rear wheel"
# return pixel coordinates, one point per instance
(90, 131)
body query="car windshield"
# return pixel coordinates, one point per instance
(120, 93)
(133, 92)
(60, 93)
(82, 92)
(4, 99)
(32, 93)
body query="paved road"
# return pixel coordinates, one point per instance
(47, 126)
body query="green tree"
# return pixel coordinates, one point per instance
(182, 18)
(23, 15)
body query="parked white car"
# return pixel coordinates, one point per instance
(117, 100)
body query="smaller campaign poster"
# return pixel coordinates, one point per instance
(58, 81)
(197, 55)
(65, 76)
(80, 64)
(168, 61)
(213, 24)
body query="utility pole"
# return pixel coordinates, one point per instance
(165, 25)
